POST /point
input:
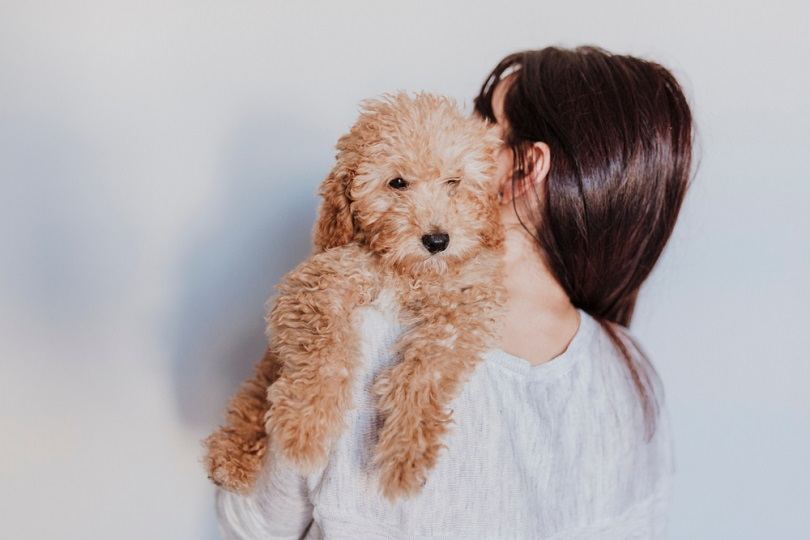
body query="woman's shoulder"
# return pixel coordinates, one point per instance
(621, 411)
(631, 378)
(621, 357)
(565, 434)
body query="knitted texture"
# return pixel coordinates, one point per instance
(554, 451)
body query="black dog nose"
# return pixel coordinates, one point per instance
(436, 242)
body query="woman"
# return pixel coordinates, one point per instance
(561, 433)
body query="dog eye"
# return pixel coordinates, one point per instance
(453, 181)
(398, 183)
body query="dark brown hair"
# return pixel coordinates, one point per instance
(620, 134)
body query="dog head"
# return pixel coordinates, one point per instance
(413, 182)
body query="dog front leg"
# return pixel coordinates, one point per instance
(235, 451)
(312, 330)
(438, 355)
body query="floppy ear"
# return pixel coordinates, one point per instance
(493, 234)
(335, 226)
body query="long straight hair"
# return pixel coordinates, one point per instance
(620, 133)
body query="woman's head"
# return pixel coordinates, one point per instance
(600, 147)
(597, 159)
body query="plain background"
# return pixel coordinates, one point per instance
(159, 162)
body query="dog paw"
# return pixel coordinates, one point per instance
(402, 477)
(404, 458)
(234, 459)
(300, 438)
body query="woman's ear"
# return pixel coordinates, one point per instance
(334, 225)
(539, 153)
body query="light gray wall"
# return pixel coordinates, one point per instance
(158, 165)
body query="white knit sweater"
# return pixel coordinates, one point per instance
(552, 451)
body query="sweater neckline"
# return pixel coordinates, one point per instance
(558, 365)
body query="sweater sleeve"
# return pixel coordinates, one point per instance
(277, 509)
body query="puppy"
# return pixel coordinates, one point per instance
(410, 209)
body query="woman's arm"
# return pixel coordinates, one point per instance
(278, 508)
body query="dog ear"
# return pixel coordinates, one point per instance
(493, 234)
(335, 225)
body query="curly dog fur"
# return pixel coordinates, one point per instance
(369, 238)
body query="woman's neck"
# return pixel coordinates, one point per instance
(540, 320)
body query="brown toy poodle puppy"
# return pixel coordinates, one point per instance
(410, 210)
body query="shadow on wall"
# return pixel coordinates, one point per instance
(65, 256)
(259, 229)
